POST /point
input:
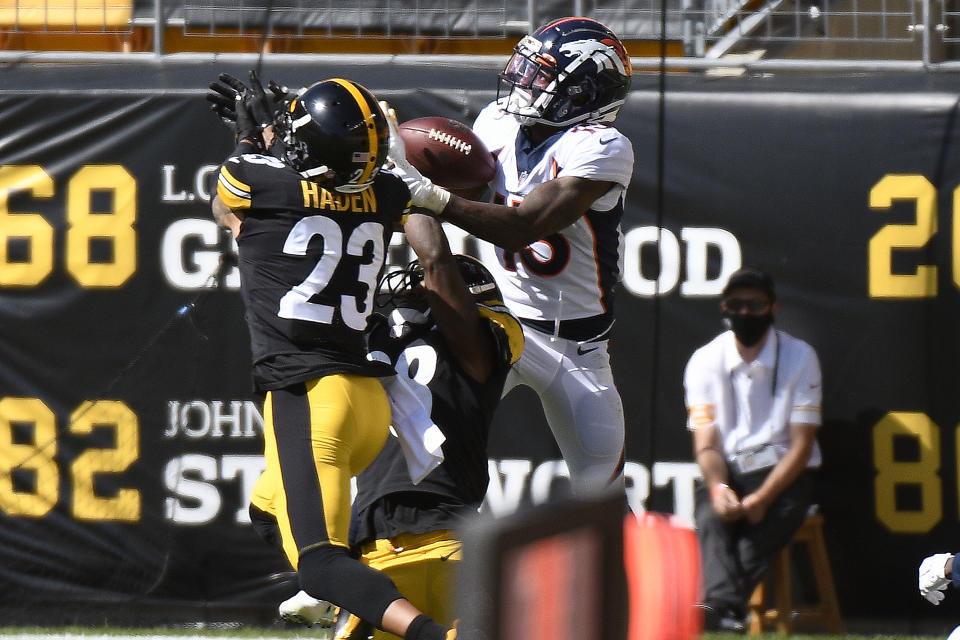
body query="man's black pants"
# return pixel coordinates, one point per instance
(736, 555)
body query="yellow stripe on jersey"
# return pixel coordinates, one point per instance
(372, 160)
(814, 411)
(498, 314)
(702, 415)
(232, 192)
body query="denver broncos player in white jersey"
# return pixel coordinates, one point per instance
(562, 174)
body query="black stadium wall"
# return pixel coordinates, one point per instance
(129, 435)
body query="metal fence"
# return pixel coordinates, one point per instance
(338, 19)
(918, 32)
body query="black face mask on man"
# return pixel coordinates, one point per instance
(748, 328)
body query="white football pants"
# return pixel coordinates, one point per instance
(580, 401)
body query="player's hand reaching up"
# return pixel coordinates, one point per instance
(247, 110)
(423, 192)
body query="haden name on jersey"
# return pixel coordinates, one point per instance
(316, 197)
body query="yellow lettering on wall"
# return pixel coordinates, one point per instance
(920, 473)
(34, 461)
(87, 505)
(882, 281)
(32, 228)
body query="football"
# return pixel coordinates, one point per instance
(448, 152)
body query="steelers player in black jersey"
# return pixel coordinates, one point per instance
(442, 325)
(450, 331)
(315, 215)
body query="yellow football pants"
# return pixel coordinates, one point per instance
(423, 566)
(316, 437)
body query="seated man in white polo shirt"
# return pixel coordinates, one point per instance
(753, 402)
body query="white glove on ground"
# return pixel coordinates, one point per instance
(423, 192)
(932, 581)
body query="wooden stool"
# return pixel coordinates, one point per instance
(784, 613)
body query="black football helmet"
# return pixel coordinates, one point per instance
(335, 129)
(400, 288)
(568, 71)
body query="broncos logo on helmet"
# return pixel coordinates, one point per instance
(568, 71)
(335, 129)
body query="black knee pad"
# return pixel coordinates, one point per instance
(266, 527)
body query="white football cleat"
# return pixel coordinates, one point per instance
(303, 608)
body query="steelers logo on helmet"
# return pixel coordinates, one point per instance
(569, 71)
(335, 130)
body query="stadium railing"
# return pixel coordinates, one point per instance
(801, 35)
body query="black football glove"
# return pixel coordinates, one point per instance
(258, 104)
(247, 110)
(222, 99)
(281, 99)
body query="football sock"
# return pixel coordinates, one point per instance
(423, 628)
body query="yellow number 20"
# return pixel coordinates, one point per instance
(883, 282)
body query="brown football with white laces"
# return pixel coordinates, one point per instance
(448, 152)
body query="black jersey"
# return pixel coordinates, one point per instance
(387, 502)
(309, 263)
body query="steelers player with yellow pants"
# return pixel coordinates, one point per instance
(459, 342)
(445, 330)
(313, 217)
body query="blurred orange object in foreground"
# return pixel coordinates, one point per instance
(662, 557)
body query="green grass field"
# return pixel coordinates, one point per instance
(170, 633)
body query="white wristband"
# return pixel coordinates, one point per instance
(718, 487)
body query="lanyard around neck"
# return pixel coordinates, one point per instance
(776, 367)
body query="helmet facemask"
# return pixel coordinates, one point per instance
(569, 71)
(528, 82)
(401, 292)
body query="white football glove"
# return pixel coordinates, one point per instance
(423, 192)
(932, 580)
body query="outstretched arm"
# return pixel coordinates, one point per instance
(549, 207)
(451, 303)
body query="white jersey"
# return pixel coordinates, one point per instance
(569, 274)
